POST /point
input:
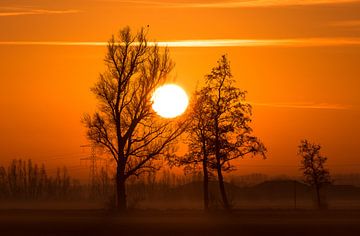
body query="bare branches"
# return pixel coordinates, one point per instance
(100, 133)
(150, 145)
(220, 129)
(230, 116)
(126, 125)
(312, 165)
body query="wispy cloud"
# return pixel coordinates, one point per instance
(321, 106)
(52, 43)
(26, 11)
(347, 23)
(296, 42)
(233, 4)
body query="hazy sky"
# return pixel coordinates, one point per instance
(299, 61)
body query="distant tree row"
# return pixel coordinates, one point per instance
(26, 180)
(23, 179)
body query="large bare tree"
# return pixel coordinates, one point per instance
(230, 134)
(125, 124)
(219, 129)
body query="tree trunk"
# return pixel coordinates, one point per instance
(219, 170)
(318, 200)
(222, 188)
(120, 190)
(206, 184)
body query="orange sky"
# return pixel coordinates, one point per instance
(298, 60)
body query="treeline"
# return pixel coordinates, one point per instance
(26, 180)
(23, 179)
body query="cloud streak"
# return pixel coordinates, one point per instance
(321, 106)
(234, 4)
(206, 43)
(348, 23)
(25, 12)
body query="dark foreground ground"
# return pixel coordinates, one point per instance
(249, 222)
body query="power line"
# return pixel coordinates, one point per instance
(93, 158)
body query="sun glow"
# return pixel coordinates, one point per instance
(169, 101)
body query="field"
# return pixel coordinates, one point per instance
(178, 222)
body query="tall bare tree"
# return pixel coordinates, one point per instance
(198, 141)
(230, 134)
(312, 165)
(125, 125)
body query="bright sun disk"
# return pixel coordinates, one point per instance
(169, 101)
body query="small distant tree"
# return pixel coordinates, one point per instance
(125, 124)
(313, 167)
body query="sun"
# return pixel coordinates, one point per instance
(169, 101)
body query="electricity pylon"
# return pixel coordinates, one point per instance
(93, 158)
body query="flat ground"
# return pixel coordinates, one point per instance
(149, 222)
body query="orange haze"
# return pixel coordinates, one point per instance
(298, 60)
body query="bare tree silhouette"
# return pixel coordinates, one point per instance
(312, 165)
(219, 130)
(198, 141)
(125, 125)
(229, 119)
